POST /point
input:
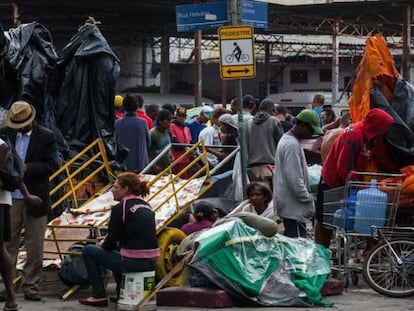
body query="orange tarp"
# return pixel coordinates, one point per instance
(377, 65)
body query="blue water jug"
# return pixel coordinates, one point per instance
(371, 206)
(344, 218)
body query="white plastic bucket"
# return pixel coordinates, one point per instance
(135, 286)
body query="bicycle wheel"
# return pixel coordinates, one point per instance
(245, 58)
(229, 58)
(387, 275)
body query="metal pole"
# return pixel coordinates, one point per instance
(335, 64)
(144, 61)
(406, 43)
(16, 15)
(235, 20)
(267, 63)
(224, 93)
(165, 65)
(198, 68)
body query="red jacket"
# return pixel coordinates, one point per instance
(141, 114)
(360, 148)
(180, 134)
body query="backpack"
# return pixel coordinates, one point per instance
(73, 270)
(11, 175)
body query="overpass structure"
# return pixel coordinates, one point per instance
(125, 22)
(151, 24)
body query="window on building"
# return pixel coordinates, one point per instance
(298, 76)
(325, 75)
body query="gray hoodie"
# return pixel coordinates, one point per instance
(264, 134)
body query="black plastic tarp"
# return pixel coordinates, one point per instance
(28, 55)
(80, 97)
(399, 136)
(402, 101)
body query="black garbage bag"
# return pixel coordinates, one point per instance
(29, 55)
(402, 101)
(81, 93)
(73, 270)
(399, 137)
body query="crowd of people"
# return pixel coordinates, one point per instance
(279, 187)
(274, 152)
(272, 137)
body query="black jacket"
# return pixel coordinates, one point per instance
(41, 162)
(135, 231)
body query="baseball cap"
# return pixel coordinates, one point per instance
(266, 104)
(227, 119)
(310, 117)
(206, 111)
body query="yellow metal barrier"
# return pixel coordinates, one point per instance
(72, 176)
(76, 175)
(172, 180)
(70, 179)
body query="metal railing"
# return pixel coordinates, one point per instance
(76, 175)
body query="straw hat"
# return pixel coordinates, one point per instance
(20, 115)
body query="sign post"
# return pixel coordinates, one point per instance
(237, 62)
(237, 52)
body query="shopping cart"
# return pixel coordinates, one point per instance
(366, 200)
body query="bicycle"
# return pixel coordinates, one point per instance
(230, 58)
(389, 267)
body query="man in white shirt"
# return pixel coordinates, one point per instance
(211, 134)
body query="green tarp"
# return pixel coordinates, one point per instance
(276, 271)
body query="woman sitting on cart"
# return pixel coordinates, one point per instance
(361, 147)
(131, 243)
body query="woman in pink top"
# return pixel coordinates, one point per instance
(205, 215)
(180, 134)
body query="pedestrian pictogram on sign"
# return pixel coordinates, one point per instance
(236, 52)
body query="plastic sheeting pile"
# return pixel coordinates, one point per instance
(29, 55)
(79, 102)
(72, 91)
(276, 271)
(379, 85)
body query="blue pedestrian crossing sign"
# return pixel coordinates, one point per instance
(237, 52)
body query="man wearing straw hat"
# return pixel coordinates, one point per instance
(36, 146)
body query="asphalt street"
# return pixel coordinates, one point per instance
(356, 297)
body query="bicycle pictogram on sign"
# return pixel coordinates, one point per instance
(237, 55)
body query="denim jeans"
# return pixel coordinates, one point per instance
(98, 259)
